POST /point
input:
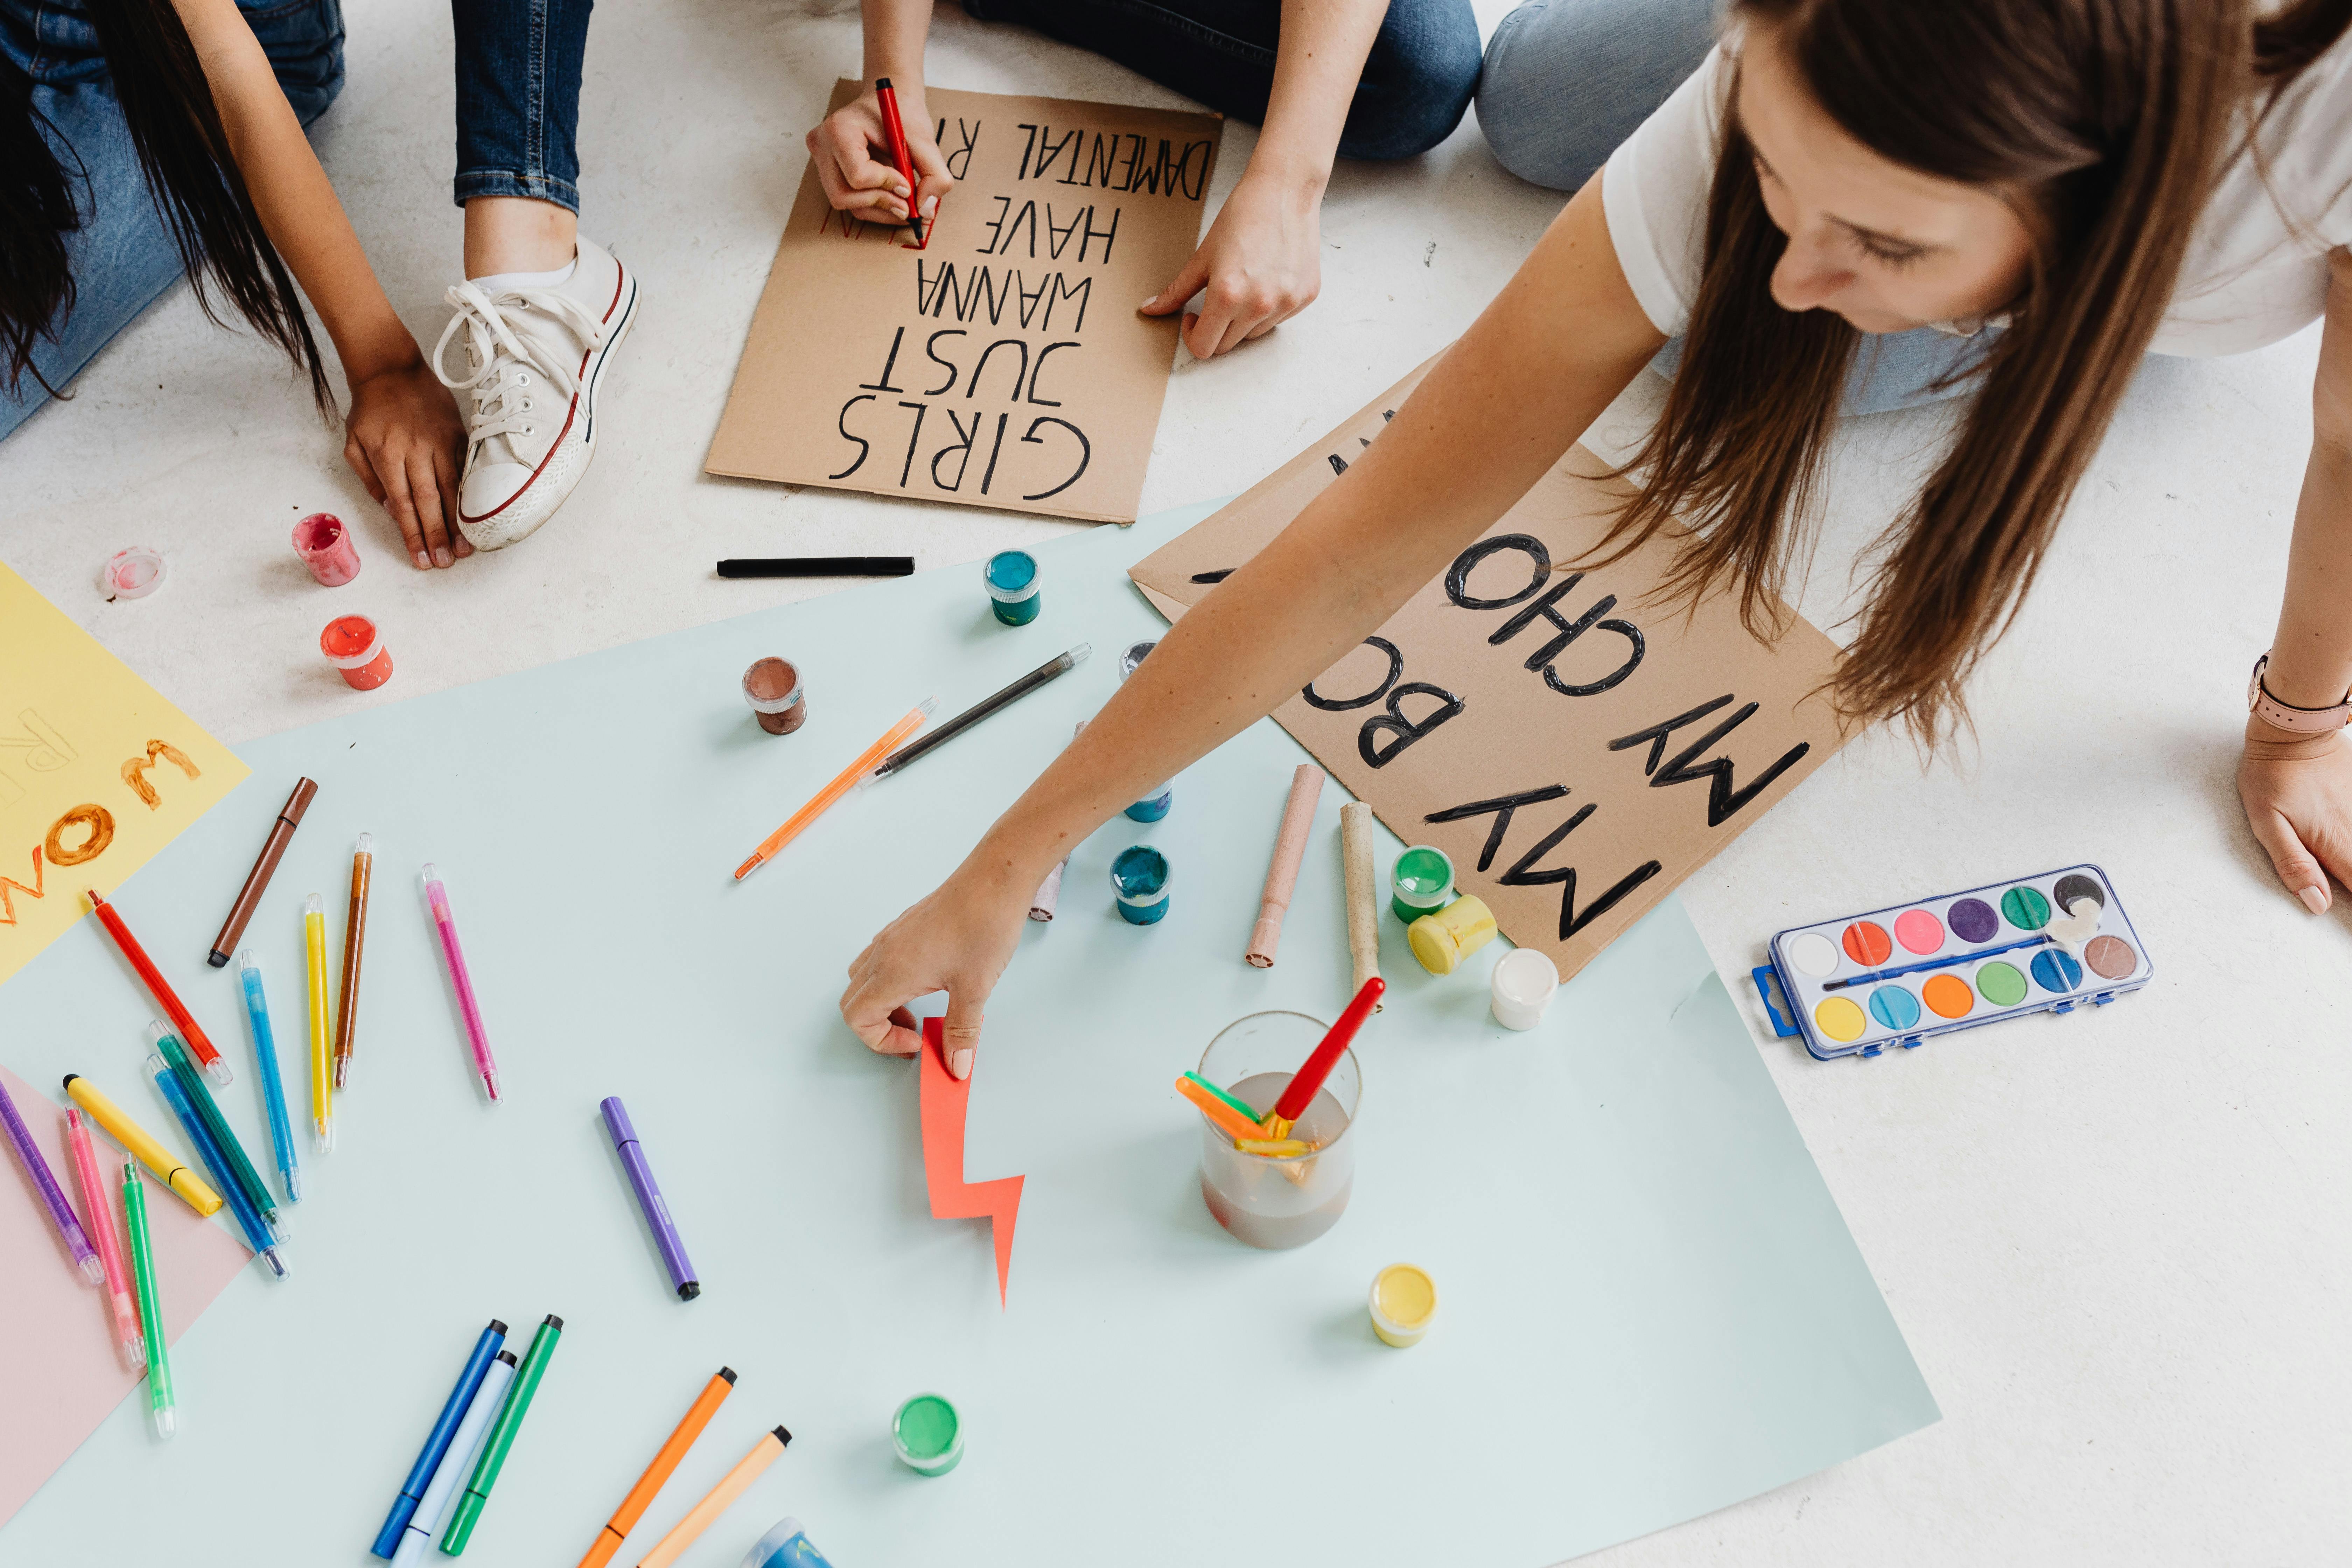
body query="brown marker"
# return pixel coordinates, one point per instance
(355, 943)
(256, 881)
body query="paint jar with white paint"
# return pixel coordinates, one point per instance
(1525, 983)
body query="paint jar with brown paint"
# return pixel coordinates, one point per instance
(772, 688)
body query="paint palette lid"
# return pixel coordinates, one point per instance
(1894, 977)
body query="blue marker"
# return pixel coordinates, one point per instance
(248, 1219)
(1140, 878)
(273, 1091)
(1011, 579)
(1154, 806)
(445, 1429)
(786, 1545)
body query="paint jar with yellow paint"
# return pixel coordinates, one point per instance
(1278, 1200)
(1443, 939)
(1404, 1303)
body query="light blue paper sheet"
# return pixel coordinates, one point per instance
(1650, 1306)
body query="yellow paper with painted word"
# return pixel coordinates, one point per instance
(97, 771)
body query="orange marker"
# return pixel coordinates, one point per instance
(640, 1495)
(720, 1498)
(840, 787)
(1231, 1122)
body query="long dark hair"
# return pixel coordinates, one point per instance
(184, 150)
(2112, 119)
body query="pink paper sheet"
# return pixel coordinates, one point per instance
(61, 1369)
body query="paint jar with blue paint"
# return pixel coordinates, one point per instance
(1013, 580)
(786, 1545)
(1420, 883)
(1139, 877)
(1153, 806)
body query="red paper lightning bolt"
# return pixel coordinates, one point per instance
(945, 1100)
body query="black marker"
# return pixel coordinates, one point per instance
(820, 566)
(973, 715)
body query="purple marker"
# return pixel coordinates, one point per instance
(649, 1198)
(85, 1255)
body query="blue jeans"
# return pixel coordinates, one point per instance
(518, 105)
(1415, 87)
(1567, 80)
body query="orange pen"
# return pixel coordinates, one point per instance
(865, 764)
(640, 1495)
(1231, 1122)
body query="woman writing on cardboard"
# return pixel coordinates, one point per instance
(2020, 198)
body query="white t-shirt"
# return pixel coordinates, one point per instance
(2256, 269)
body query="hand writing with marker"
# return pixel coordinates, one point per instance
(850, 151)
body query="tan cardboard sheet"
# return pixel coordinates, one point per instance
(1577, 751)
(1004, 363)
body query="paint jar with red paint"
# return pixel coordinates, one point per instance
(326, 547)
(355, 647)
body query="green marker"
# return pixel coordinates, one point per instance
(501, 1437)
(151, 1305)
(1238, 1105)
(208, 1111)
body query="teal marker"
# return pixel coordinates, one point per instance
(501, 1436)
(208, 1112)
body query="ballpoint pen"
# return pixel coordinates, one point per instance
(169, 1168)
(61, 1213)
(199, 1045)
(273, 1087)
(224, 1140)
(347, 1009)
(478, 1037)
(437, 1442)
(456, 1461)
(322, 1077)
(151, 1305)
(99, 1199)
(248, 1219)
(1057, 665)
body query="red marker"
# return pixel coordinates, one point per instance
(1301, 1092)
(896, 129)
(165, 998)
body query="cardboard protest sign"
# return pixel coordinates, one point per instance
(97, 773)
(1577, 750)
(1002, 363)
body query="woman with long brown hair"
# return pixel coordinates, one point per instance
(2054, 187)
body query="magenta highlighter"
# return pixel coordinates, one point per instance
(478, 1037)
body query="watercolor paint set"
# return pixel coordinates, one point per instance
(1895, 976)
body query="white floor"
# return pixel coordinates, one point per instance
(2115, 1242)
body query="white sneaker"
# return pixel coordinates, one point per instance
(537, 354)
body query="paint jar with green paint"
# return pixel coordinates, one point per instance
(1420, 883)
(1012, 578)
(929, 1435)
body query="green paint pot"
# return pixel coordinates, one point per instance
(1420, 883)
(929, 1435)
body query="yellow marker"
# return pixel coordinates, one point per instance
(169, 1168)
(1405, 1301)
(1443, 939)
(323, 1078)
(1275, 1148)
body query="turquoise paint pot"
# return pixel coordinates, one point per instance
(786, 1545)
(1013, 579)
(1138, 879)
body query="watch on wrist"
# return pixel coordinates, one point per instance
(2285, 715)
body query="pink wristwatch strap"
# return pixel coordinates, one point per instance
(2285, 716)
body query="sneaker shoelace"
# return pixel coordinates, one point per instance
(508, 335)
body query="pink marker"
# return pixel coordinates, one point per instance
(446, 924)
(100, 1202)
(326, 548)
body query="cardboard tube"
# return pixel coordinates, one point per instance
(1282, 871)
(1363, 895)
